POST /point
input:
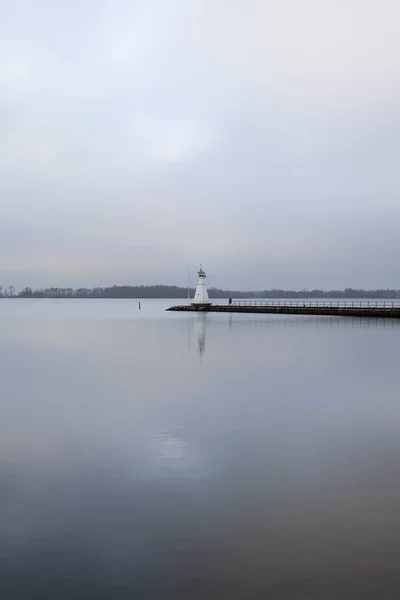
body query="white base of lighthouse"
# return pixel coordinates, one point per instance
(201, 295)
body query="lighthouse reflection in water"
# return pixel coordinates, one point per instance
(198, 324)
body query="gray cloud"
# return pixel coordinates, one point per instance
(137, 139)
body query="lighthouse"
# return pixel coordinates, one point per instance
(201, 298)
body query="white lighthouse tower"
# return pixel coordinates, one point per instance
(201, 298)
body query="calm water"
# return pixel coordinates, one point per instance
(146, 454)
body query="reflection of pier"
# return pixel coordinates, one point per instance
(198, 322)
(307, 321)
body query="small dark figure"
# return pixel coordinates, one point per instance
(230, 301)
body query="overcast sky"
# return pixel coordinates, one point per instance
(259, 137)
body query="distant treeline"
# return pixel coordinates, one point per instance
(173, 291)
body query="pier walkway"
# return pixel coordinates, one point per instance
(347, 308)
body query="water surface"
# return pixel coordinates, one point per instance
(147, 454)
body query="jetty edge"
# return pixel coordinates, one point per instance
(382, 310)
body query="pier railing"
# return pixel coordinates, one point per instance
(388, 304)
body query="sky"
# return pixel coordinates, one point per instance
(140, 138)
